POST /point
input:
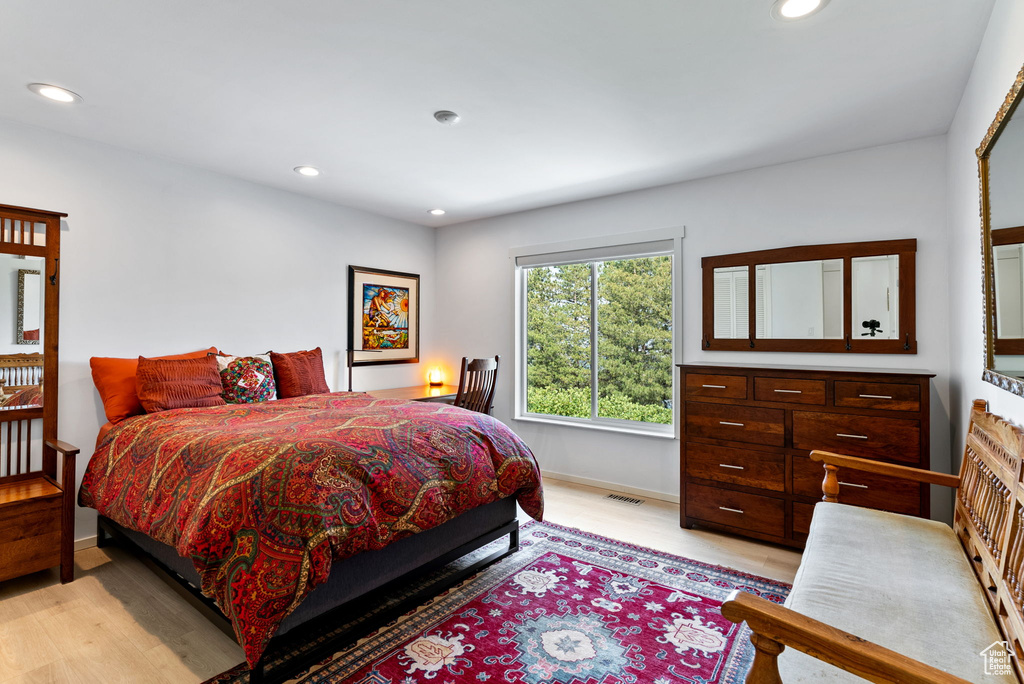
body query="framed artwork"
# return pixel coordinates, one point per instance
(383, 316)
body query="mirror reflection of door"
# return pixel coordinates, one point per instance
(732, 292)
(1009, 294)
(1008, 267)
(800, 300)
(875, 283)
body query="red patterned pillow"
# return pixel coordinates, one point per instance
(246, 379)
(299, 373)
(179, 383)
(116, 383)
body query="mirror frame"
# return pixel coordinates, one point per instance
(984, 152)
(906, 343)
(19, 334)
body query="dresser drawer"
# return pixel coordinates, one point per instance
(859, 488)
(722, 386)
(736, 423)
(802, 514)
(878, 395)
(896, 439)
(790, 391)
(746, 511)
(737, 466)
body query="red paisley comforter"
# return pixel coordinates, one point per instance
(263, 497)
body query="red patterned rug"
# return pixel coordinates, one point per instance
(568, 608)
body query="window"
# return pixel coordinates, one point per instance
(596, 329)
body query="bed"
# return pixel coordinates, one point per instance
(285, 512)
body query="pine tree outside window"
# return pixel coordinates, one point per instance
(596, 336)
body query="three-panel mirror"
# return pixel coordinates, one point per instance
(822, 298)
(1001, 166)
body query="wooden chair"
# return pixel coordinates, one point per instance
(477, 382)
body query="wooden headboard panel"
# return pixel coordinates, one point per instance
(19, 371)
(989, 518)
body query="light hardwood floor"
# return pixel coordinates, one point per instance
(118, 623)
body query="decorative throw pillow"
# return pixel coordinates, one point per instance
(246, 379)
(115, 381)
(181, 383)
(299, 373)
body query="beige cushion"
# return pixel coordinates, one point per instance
(901, 582)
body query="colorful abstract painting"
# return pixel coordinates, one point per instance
(385, 317)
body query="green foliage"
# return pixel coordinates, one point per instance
(634, 337)
(575, 403)
(634, 342)
(558, 326)
(552, 401)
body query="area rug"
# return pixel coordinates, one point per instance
(568, 608)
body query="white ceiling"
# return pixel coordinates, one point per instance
(560, 100)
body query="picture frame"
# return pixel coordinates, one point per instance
(383, 316)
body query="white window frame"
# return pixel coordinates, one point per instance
(667, 241)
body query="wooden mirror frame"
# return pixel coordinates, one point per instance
(23, 242)
(906, 343)
(984, 152)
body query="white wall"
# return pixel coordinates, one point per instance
(895, 191)
(996, 66)
(158, 258)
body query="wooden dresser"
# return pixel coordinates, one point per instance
(747, 431)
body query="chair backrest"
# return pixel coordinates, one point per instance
(477, 381)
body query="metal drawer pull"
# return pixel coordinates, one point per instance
(874, 396)
(840, 434)
(731, 510)
(725, 422)
(854, 484)
(785, 391)
(714, 386)
(726, 465)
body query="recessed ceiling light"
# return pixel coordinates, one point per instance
(796, 9)
(307, 170)
(436, 212)
(55, 93)
(447, 118)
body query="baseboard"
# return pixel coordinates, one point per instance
(614, 486)
(85, 543)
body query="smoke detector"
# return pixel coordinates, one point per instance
(447, 118)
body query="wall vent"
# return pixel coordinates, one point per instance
(625, 499)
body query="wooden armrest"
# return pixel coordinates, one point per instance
(67, 537)
(916, 474)
(62, 447)
(776, 627)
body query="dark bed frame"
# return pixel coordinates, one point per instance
(360, 594)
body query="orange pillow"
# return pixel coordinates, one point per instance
(299, 373)
(166, 384)
(115, 380)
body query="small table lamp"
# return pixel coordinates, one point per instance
(435, 378)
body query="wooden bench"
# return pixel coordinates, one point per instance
(890, 598)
